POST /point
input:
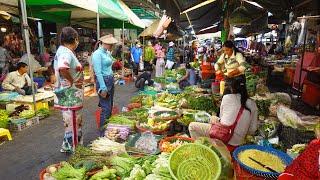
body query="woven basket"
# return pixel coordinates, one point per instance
(290, 136)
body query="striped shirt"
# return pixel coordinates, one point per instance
(170, 54)
(227, 64)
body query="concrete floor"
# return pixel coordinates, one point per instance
(37, 147)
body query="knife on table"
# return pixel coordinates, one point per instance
(264, 166)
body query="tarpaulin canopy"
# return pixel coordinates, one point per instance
(211, 13)
(157, 27)
(133, 18)
(65, 11)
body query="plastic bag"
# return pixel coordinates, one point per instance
(291, 118)
(68, 97)
(202, 117)
(147, 143)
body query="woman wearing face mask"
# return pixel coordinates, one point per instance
(102, 66)
(231, 64)
(68, 72)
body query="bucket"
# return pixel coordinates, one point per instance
(215, 87)
(115, 110)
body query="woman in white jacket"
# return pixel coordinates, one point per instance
(230, 105)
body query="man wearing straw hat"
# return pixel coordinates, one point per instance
(102, 66)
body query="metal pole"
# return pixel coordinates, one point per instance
(302, 58)
(27, 40)
(40, 34)
(98, 27)
(122, 53)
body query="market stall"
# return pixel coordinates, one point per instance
(150, 138)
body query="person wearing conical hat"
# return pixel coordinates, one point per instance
(102, 65)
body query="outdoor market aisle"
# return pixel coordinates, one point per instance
(37, 147)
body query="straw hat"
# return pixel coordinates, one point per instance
(108, 39)
(171, 44)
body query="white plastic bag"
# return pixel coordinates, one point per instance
(291, 118)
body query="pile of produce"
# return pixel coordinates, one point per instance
(106, 146)
(265, 158)
(85, 157)
(147, 101)
(141, 114)
(166, 115)
(121, 120)
(251, 83)
(296, 149)
(202, 117)
(202, 103)
(263, 107)
(154, 125)
(187, 117)
(43, 112)
(268, 129)
(27, 114)
(68, 172)
(167, 100)
(147, 143)
(4, 118)
(117, 133)
(171, 143)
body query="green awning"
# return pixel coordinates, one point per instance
(84, 12)
(63, 11)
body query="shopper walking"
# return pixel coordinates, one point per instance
(136, 57)
(149, 55)
(160, 64)
(102, 65)
(69, 75)
(231, 64)
(170, 56)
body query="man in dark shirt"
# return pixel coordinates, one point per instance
(144, 78)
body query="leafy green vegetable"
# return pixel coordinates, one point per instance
(186, 119)
(121, 121)
(43, 112)
(137, 173)
(88, 165)
(27, 114)
(83, 156)
(4, 119)
(123, 165)
(202, 103)
(263, 107)
(105, 174)
(68, 172)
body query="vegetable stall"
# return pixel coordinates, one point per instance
(150, 139)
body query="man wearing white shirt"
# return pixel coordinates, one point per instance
(18, 81)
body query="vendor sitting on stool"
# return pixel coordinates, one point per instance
(18, 81)
(143, 78)
(189, 79)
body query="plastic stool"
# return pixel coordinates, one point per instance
(5, 132)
